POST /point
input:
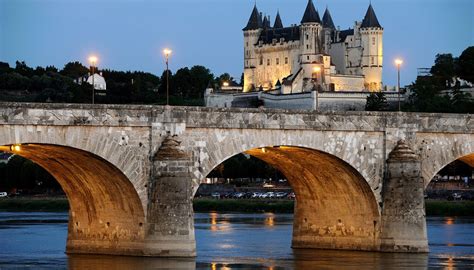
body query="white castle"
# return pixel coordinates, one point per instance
(313, 55)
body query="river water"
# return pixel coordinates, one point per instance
(229, 241)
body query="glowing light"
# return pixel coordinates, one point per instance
(167, 52)
(225, 84)
(398, 62)
(213, 266)
(93, 59)
(264, 150)
(449, 221)
(317, 69)
(15, 147)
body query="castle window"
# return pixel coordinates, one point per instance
(268, 61)
(307, 57)
(247, 44)
(261, 60)
(286, 60)
(373, 41)
(307, 46)
(278, 61)
(247, 63)
(307, 36)
(372, 60)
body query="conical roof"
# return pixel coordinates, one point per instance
(310, 14)
(327, 20)
(370, 19)
(255, 21)
(278, 23)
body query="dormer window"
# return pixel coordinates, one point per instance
(274, 41)
(282, 40)
(260, 42)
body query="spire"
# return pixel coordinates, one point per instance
(266, 22)
(370, 19)
(327, 20)
(254, 20)
(278, 23)
(310, 14)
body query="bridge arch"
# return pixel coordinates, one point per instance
(106, 214)
(335, 206)
(438, 151)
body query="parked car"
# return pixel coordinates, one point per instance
(3, 194)
(216, 195)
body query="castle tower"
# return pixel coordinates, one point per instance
(372, 57)
(251, 34)
(329, 31)
(311, 30)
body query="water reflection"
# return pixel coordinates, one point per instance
(230, 241)
(81, 262)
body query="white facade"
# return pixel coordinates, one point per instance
(314, 55)
(98, 81)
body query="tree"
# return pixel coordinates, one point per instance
(466, 65)
(444, 68)
(426, 97)
(376, 102)
(74, 70)
(24, 69)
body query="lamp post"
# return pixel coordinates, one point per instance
(167, 53)
(93, 61)
(317, 70)
(398, 62)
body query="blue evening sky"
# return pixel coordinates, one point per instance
(130, 34)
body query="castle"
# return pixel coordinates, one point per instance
(314, 55)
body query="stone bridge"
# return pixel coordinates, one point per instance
(130, 172)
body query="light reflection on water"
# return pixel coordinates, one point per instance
(229, 241)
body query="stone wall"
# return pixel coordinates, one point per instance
(136, 169)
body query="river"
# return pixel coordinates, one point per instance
(229, 241)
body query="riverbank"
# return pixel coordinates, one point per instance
(433, 207)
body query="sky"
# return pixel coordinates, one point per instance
(131, 34)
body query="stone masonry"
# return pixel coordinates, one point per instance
(130, 172)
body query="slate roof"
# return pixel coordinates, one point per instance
(310, 14)
(370, 19)
(327, 20)
(288, 33)
(255, 20)
(278, 23)
(344, 33)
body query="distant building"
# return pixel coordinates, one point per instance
(98, 80)
(313, 55)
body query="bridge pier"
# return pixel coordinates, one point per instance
(403, 213)
(170, 222)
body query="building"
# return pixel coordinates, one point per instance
(314, 55)
(98, 81)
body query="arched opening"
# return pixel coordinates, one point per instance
(335, 207)
(106, 215)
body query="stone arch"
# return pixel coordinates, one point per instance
(124, 148)
(336, 208)
(357, 149)
(436, 152)
(106, 215)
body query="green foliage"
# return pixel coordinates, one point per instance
(444, 68)
(446, 208)
(466, 65)
(21, 173)
(24, 83)
(242, 166)
(376, 102)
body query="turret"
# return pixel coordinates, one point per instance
(278, 23)
(372, 56)
(329, 30)
(251, 35)
(310, 34)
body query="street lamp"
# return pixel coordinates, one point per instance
(167, 53)
(398, 63)
(93, 62)
(317, 70)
